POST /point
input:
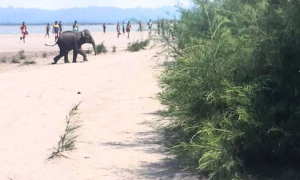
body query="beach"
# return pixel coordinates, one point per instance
(116, 139)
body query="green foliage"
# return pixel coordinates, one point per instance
(101, 48)
(232, 91)
(137, 46)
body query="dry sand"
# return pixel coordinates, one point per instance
(118, 93)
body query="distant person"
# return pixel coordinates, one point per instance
(24, 32)
(118, 29)
(128, 28)
(75, 26)
(47, 30)
(140, 26)
(55, 30)
(104, 28)
(60, 27)
(123, 27)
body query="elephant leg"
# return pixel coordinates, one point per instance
(57, 58)
(75, 53)
(81, 52)
(61, 54)
(66, 57)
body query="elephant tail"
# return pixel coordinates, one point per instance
(51, 45)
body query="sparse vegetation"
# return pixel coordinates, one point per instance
(29, 62)
(101, 48)
(68, 139)
(15, 60)
(114, 49)
(137, 46)
(45, 55)
(3, 59)
(22, 54)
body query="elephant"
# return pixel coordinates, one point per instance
(70, 40)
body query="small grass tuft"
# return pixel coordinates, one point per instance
(15, 60)
(114, 49)
(29, 62)
(22, 54)
(45, 55)
(68, 139)
(3, 59)
(137, 46)
(101, 48)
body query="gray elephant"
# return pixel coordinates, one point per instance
(70, 40)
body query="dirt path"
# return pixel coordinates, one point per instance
(116, 141)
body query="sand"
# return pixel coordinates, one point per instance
(118, 94)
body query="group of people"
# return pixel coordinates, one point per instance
(58, 28)
(128, 28)
(162, 26)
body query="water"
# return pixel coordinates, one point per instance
(41, 29)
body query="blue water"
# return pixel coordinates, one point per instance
(41, 29)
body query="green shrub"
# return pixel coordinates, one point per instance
(137, 46)
(232, 92)
(101, 49)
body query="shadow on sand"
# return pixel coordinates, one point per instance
(151, 142)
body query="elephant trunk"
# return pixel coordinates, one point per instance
(94, 46)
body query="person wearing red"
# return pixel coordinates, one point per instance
(23, 29)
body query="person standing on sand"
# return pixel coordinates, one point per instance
(75, 26)
(104, 28)
(60, 27)
(55, 30)
(128, 28)
(47, 30)
(123, 27)
(24, 32)
(118, 29)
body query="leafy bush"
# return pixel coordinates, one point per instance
(232, 92)
(101, 48)
(137, 46)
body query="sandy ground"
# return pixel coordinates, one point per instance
(118, 93)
